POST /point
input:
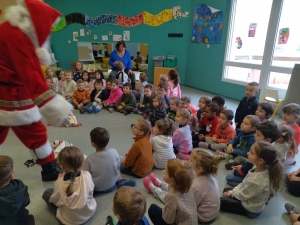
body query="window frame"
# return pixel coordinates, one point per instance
(266, 66)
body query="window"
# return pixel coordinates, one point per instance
(263, 42)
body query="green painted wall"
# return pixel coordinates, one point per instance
(156, 37)
(205, 65)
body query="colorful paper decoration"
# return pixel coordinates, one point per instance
(252, 29)
(75, 36)
(130, 21)
(158, 19)
(177, 13)
(207, 25)
(60, 25)
(75, 18)
(101, 19)
(238, 42)
(284, 34)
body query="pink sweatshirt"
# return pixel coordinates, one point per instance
(114, 96)
(173, 91)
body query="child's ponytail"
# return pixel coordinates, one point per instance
(166, 125)
(206, 161)
(287, 134)
(193, 123)
(268, 153)
(174, 76)
(71, 185)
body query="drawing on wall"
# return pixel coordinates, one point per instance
(88, 32)
(117, 37)
(81, 32)
(177, 13)
(207, 25)
(284, 34)
(126, 35)
(238, 42)
(252, 29)
(75, 36)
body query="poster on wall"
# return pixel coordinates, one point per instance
(88, 32)
(81, 32)
(104, 37)
(284, 34)
(126, 35)
(207, 25)
(252, 29)
(75, 36)
(117, 37)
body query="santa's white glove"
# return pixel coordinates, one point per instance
(66, 122)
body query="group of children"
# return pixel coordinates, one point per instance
(166, 137)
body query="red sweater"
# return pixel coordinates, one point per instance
(224, 135)
(209, 125)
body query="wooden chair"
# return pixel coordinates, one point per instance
(271, 96)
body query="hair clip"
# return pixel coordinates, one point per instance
(283, 134)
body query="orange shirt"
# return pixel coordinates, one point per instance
(224, 135)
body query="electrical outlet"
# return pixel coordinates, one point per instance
(208, 46)
(69, 41)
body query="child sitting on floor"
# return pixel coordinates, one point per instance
(203, 102)
(103, 165)
(224, 133)
(98, 96)
(81, 97)
(174, 105)
(139, 93)
(86, 80)
(186, 103)
(159, 109)
(138, 162)
(14, 196)
(114, 96)
(162, 142)
(127, 102)
(146, 105)
(163, 78)
(180, 206)
(182, 138)
(77, 71)
(51, 73)
(68, 87)
(50, 84)
(60, 82)
(162, 90)
(264, 111)
(122, 77)
(220, 101)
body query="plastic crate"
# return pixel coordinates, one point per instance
(158, 61)
(170, 61)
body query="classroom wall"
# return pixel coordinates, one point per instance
(205, 65)
(156, 37)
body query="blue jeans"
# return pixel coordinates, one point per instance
(105, 191)
(128, 171)
(155, 215)
(234, 180)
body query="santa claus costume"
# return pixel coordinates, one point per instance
(24, 94)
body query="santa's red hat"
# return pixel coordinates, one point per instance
(35, 18)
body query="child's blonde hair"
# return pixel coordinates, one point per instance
(253, 120)
(206, 161)
(184, 113)
(268, 153)
(50, 68)
(71, 159)
(287, 134)
(163, 78)
(145, 126)
(129, 204)
(119, 65)
(292, 108)
(182, 174)
(62, 73)
(6, 169)
(79, 81)
(166, 125)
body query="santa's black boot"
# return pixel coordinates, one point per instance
(50, 171)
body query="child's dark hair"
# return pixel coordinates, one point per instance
(143, 77)
(149, 86)
(145, 126)
(88, 80)
(98, 81)
(182, 174)
(219, 100)
(206, 99)
(100, 137)
(213, 107)
(287, 134)
(114, 81)
(130, 205)
(49, 78)
(176, 100)
(71, 159)
(268, 107)
(253, 120)
(269, 129)
(165, 86)
(186, 100)
(206, 161)
(268, 153)
(6, 169)
(161, 100)
(101, 74)
(127, 85)
(173, 74)
(166, 125)
(292, 108)
(228, 113)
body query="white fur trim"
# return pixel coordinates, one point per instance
(44, 56)
(18, 118)
(56, 110)
(41, 152)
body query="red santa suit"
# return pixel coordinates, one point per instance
(24, 94)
